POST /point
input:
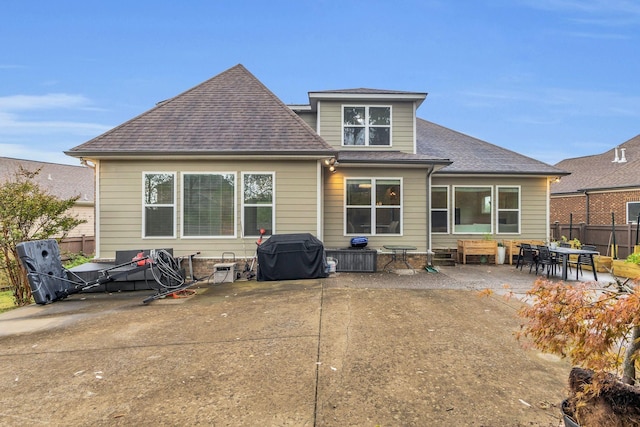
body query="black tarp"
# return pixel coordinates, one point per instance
(291, 256)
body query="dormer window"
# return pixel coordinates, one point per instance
(366, 125)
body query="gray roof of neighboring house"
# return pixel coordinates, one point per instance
(62, 181)
(231, 113)
(471, 155)
(599, 172)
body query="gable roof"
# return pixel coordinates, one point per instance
(600, 172)
(364, 95)
(61, 181)
(472, 155)
(231, 113)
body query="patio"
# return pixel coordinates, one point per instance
(353, 349)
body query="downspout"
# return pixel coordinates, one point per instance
(586, 201)
(430, 171)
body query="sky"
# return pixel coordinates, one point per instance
(550, 79)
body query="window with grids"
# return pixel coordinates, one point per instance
(439, 209)
(373, 206)
(257, 190)
(366, 125)
(508, 210)
(208, 208)
(159, 204)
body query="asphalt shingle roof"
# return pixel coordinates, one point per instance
(62, 181)
(231, 113)
(600, 172)
(472, 155)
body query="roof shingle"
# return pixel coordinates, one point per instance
(471, 155)
(231, 113)
(600, 171)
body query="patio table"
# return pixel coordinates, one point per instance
(566, 252)
(399, 249)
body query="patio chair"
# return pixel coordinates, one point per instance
(582, 259)
(546, 260)
(528, 257)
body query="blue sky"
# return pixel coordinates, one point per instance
(551, 79)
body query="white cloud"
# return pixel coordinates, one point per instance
(18, 151)
(42, 102)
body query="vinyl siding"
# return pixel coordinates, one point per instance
(402, 117)
(533, 208)
(121, 204)
(414, 203)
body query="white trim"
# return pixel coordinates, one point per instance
(498, 210)
(318, 129)
(367, 126)
(415, 129)
(634, 219)
(447, 209)
(374, 208)
(183, 174)
(96, 210)
(273, 200)
(319, 199)
(174, 205)
(453, 207)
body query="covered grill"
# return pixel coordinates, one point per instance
(291, 256)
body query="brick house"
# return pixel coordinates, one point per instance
(598, 186)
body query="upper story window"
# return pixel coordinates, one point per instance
(366, 125)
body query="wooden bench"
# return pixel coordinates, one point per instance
(477, 247)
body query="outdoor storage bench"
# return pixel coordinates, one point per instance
(477, 247)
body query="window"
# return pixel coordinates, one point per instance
(159, 204)
(633, 211)
(257, 203)
(366, 125)
(508, 211)
(472, 210)
(439, 209)
(373, 206)
(208, 208)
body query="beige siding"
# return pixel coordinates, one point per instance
(402, 118)
(533, 210)
(84, 212)
(121, 204)
(414, 203)
(309, 118)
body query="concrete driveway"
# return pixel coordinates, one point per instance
(377, 349)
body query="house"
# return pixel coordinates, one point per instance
(63, 182)
(206, 170)
(598, 186)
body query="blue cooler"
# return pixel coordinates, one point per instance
(359, 242)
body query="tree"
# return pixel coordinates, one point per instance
(598, 330)
(28, 212)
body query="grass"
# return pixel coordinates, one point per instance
(6, 301)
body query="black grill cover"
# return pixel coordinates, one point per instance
(291, 256)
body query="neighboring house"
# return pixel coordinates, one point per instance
(206, 170)
(599, 185)
(63, 182)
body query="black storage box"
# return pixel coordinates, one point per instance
(47, 279)
(291, 256)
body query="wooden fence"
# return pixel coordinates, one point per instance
(85, 245)
(602, 236)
